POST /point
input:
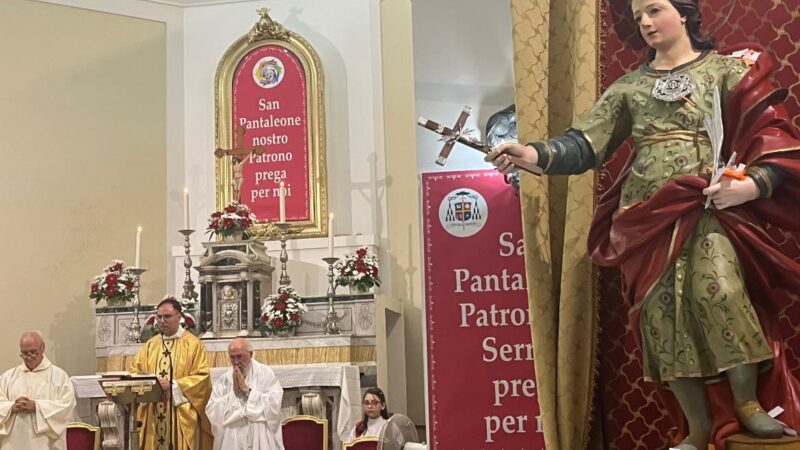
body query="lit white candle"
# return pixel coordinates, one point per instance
(138, 246)
(185, 208)
(330, 235)
(282, 203)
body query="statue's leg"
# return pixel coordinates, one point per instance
(691, 395)
(743, 379)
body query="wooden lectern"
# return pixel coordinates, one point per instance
(126, 391)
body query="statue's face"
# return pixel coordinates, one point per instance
(659, 22)
(168, 319)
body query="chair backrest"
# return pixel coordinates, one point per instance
(82, 436)
(305, 433)
(362, 443)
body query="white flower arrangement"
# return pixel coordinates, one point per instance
(282, 311)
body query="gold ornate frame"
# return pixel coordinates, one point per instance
(268, 32)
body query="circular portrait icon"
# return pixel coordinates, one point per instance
(268, 72)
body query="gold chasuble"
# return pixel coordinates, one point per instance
(190, 392)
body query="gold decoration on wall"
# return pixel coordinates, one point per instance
(356, 354)
(269, 32)
(266, 28)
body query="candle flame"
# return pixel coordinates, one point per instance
(331, 216)
(139, 228)
(186, 190)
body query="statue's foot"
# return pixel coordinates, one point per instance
(758, 422)
(684, 446)
(693, 441)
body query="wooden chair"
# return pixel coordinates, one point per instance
(362, 443)
(305, 433)
(82, 436)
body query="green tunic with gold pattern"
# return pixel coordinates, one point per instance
(697, 321)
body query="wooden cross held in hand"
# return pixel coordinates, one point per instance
(456, 134)
(239, 151)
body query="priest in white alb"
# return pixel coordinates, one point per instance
(36, 400)
(245, 404)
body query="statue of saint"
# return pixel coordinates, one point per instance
(700, 276)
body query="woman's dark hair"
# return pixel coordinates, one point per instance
(694, 23)
(361, 427)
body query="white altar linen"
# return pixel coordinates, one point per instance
(343, 376)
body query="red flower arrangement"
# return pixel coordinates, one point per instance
(234, 218)
(282, 311)
(114, 284)
(359, 269)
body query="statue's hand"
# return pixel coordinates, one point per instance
(731, 192)
(509, 157)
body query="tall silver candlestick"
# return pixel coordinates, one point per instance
(284, 279)
(135, 329)
(332, 319)
(189, 295)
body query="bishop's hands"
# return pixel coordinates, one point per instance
(731, 192)
(166, 387)
(239, 382)
(24, 405)
(510, 157)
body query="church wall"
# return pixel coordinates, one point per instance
(83, 116)
(403, 199)
(368, 92)
(344, 35)
(350, 37)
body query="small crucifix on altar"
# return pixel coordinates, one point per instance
(457, 134)
(238, 156)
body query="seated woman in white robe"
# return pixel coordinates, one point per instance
(245, 404)
(373, 404)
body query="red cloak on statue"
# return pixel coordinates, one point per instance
(644, 239)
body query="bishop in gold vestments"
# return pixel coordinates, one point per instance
(189, 392)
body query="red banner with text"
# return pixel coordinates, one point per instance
(481, 385)
(270, 103)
